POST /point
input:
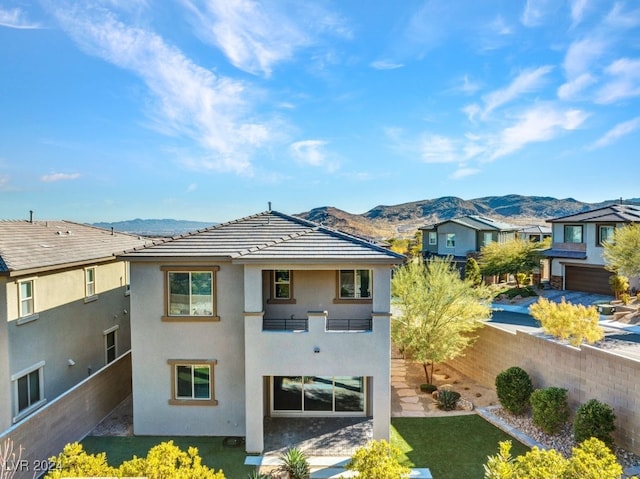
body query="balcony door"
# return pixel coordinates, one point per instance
(318, 395)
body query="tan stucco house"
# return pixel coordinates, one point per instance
(577, 246)
(268, 315)
(64, 309)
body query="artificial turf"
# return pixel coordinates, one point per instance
(452, 447)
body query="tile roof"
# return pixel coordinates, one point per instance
(476, 222)
(26, 245)
(269, 236)
(535, 229)
(624, 213)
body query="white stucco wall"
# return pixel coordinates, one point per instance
(5, 396)
(154, 342)
(594, 252)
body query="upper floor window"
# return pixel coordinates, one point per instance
(605, 234)
(355, 284)
(451, 240)
(90, 282)
(190, 293)
(433, 238)
(573, 234)
(487, 238)
(29, 390)
(192, 382)
(127, 278)
(25, 291)
(282, 284)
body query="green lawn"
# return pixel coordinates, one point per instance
(213, 453)
(452, 447)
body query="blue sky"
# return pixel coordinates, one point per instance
(209, 109)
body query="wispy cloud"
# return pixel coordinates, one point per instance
(617, 132)
(538, 124)
(54, 177)
(5, 183)
(572, 89)
(437, 149)
(578, 8)
(525, 82)
(582, 53)
(535, 11)
(618, 17)
(385, 65)
(256, 36)
(192, 187)
(313, 153)
(468, 87)
(623, 81)
(464, 172)
(190, 101)
(15, 18)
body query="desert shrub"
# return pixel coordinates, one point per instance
(549, 408)
(295, 463)
(447, 399)
(378, 460)
(619, 284)
(472, 272)
(625, 298)
(513, 388)
(428, 388)
(594, 419)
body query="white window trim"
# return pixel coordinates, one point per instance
(29, 317)
(105, 333)
(433, 238)
(90, 297)
(451, 240)
(127, 278)
(19, 415)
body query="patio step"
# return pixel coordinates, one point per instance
(340, 472)
(314, 461)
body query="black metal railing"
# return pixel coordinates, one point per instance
(291, 324)
(349, 324)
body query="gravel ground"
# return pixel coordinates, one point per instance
(562, 442)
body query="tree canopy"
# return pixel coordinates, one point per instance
(510, 257)
(574, 323)
(622, 255)
(438, 311)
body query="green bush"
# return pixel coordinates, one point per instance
(594, 419)
(378, 460)
(549, 408)
(513, 388)
(295, 464)
(447, 399)
(428, 388)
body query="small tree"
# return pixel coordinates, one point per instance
(619, 284)
(378, 460)
(472, 272)
(511, 257)
(622, 255)
(574, 323)
(438, 311)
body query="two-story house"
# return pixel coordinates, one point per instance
(269, 315)
(462, 237)
(63, 309)
(577, 246)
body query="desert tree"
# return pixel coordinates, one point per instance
(574, 323)
(510, 257)
(439, 311)
(622, 255)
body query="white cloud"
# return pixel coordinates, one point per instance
(617, 132)
(572, 89)
(500, 27)
(463, 172)
(581, 55)
(385, 65)
(53, 177)
(190, 101)
(472, 111)
(469, 87)
(192, 187)
(535, 11)
(618, 18)
(255, 36)
(527, 81)
(5, 183)
(624, 81)
(313, 153)
(437, 149)
(538, 124)
(15, 18)
(577, 10)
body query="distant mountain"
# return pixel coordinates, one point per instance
(383, 222)
(155, 228)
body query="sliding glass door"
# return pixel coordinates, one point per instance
(318, 395)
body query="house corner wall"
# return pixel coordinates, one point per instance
(5, 376)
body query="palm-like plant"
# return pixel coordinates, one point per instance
(295, 464)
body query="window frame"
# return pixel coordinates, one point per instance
(90, 291)
(127, 278)
(451, 240)
(340, 299)
(20, 414)
(32, 301)
(106, 333)
(176, 400)
(190, 269)
(599, 228)
(581, 227)
(485, 235)
(274, 288)
(432, 238)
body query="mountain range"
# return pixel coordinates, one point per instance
(403, 220)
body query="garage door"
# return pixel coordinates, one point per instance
(589, 280)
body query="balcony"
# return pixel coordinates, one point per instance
(330, 324)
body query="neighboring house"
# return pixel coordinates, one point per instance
(576, 252)
(465, 236)
(534, 233)
(63, 309)
(266, 316)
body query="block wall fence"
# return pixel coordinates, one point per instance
(69, 417)
(585, 372)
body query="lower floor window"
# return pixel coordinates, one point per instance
(319, 394)
(111, 345)
(192, 382)
(29, 390)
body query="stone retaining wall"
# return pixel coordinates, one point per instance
(585, 372)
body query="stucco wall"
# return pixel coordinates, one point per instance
(5, 396)
(465, 239)
(585, 372)
(154, 342)
(70, 417)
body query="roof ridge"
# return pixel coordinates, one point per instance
(282, 239)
